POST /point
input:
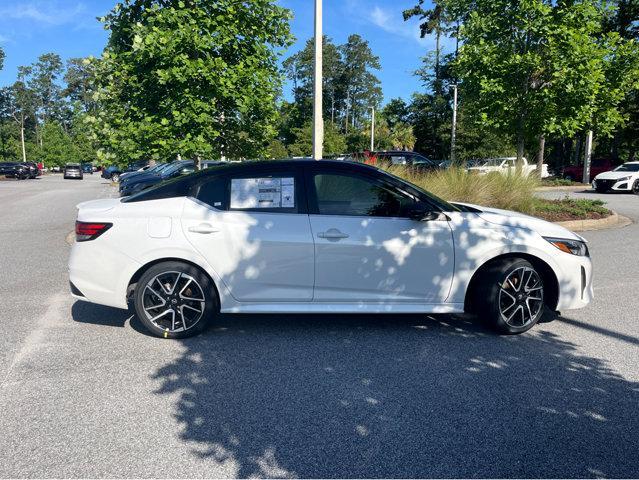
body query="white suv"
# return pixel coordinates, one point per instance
(624, 178)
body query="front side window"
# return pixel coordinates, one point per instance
(339, 194)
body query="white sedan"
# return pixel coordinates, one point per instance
(300, 236)
(624, 178)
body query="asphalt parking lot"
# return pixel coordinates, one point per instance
(85, 392)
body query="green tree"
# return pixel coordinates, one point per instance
(57, 146)
(302, 146)
(197, 78)
(362, 88)
(2, 55)
(80, 79)
(535, 68)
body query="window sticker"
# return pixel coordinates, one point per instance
(262, 193)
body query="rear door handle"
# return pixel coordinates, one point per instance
(204, 228)
(332, 234)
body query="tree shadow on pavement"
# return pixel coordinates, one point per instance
(398, 396)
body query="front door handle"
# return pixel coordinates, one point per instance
(332, 234)
(204, 228)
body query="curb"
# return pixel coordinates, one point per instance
(613, 221)
(567, 188)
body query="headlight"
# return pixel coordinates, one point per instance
(623, 179)
(573, 247)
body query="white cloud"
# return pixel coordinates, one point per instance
(393, 22)
(44, 12)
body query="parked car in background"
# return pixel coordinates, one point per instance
(148, 180)
(506, 165)
(111, 172)
(412, 160)
(128, 176)
(15, 170)
(87, 168)
(624, 178)
(56, 169)
(34, 171)
(73, 170)
(575, 173)
(316, 237)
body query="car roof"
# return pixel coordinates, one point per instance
(260, 165)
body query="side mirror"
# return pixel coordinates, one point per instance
(421, 213)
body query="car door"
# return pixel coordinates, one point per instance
(255, 233)
(366, 246)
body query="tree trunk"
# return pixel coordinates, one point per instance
(587, 156)
(520, 149)
(540, 154)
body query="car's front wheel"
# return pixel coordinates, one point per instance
(511, 296)
(635, 187)
(175, 300)
(115, 177)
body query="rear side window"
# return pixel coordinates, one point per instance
(265, 193)
(215, 193)
(178, 187)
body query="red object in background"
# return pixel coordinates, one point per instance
(40, 167)
(599, 165)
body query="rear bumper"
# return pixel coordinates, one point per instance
(100, 275)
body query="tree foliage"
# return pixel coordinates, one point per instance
(190, 77)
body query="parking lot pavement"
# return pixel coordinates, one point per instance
(84, 392)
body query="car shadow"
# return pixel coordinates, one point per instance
(394, 396)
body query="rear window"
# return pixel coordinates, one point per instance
(177, 187)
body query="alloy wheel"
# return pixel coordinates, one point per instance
(173, 301)
(521, 297)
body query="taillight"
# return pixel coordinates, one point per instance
(85, 231)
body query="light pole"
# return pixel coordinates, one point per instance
(454, 130)
(372, 129)
(318, 121)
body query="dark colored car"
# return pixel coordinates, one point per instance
(73, 170)
(575, 173)
(149, 179)
(15, 170)
(113, 172)
(34, 171)
(87, 168)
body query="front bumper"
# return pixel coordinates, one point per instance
(612, 185)
(575, 281)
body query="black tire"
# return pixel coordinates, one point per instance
(493, 297)
(115, 177)
(635, 187)
(161, 286)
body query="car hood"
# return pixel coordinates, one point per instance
(614, 175)
(509, 218)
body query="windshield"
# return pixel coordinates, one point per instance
(628, 167)
(174, 167)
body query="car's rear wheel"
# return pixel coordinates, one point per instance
(175, 300)
(115, 177)
(511, 296)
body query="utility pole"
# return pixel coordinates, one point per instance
(586, 175)
(372, 129)
(318, 122)
(454, 130)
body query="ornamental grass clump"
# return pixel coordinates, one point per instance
(512, 191)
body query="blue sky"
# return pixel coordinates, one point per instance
(29, 28)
